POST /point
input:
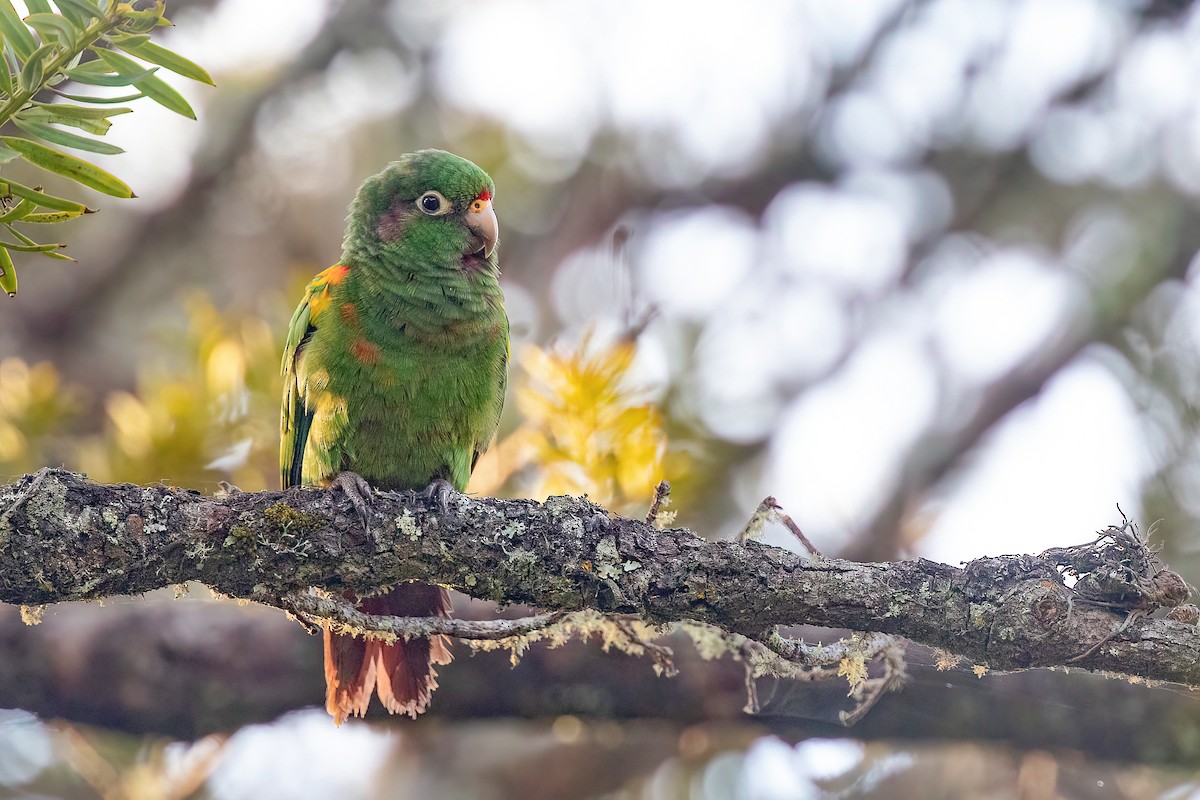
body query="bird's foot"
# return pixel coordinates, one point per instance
(438, 491)
(358, 492)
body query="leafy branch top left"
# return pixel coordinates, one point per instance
(100, 43)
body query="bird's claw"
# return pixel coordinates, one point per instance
(438, 491)
(358, 492)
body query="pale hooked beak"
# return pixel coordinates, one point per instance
(481, 219)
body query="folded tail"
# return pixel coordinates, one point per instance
(402, 673)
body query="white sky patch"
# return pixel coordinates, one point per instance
(591, 283)
(810, 332)
(1157, 76)
(994, 313)
(858, 127)
(26, 747)
(919, 78)
(848, 239)
(827, 759)
(713, 74)
(303, 755)
(245, 35)
(522, 61)
(920, 199)
(1051, 44)
(1051, 474)
(837, 446)
(1072, 145)
(845, 29)
(689, 263)
(710, 77)
(735, 357)
(769, 772)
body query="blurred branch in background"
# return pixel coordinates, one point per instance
(190, 667)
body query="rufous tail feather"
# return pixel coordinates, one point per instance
(401, 673)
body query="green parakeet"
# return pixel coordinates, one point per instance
(394, 370)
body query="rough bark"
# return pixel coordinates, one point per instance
(65, 538)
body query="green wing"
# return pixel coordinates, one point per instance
(296, 416)
(502, 389)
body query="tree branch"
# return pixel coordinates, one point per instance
(65, 538)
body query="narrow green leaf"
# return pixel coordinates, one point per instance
(41, 198)
(92, 65)
(156, 54)
(84, 9)
(20, 236)
(83, 98)
(93, 78)
(51, 216)
(69, 166)
(120, 39)
(38, 7)
(8, 273)
(6, 84)
(42, 116)
(29, 248)
(7, 154)
(32, 73)
(67, 139)
(53, 25)
(153, 87)
(79, 112)
(21, 210)
(161, 92)
(15, 32)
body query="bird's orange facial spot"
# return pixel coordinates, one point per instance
(365, 352)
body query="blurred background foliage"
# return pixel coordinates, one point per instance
(922, 270)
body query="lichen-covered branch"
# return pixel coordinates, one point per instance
(65, 538)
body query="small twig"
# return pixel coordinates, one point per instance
(868, 693)
(752, 705)
(661, 655)
(1130, 617)
(768, 511)
(662, 498)
(822, 661)
(791, 525)
(317, 609)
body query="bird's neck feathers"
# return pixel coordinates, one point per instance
(418, 280)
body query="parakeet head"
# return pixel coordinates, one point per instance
(428, 208)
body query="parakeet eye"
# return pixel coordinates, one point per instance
(433, 203)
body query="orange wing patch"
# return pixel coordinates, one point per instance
(365, 352)
(320, 286)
